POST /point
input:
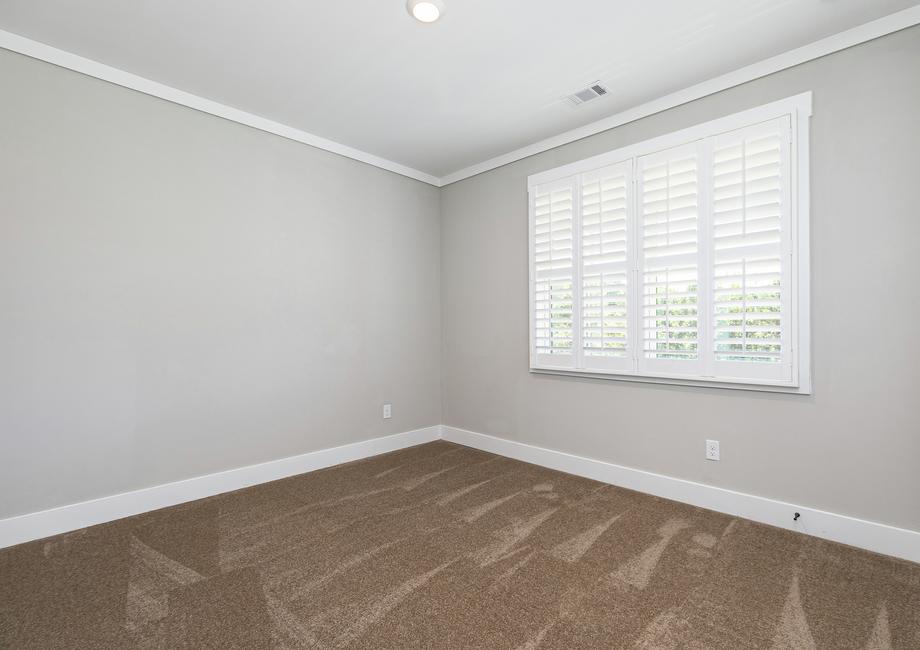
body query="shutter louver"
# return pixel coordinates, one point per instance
(605, 268)
(668, 220)
(749, 209)
(554, 265)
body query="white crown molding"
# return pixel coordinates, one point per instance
(42, 52)
(37, 525)
(880, 538)
(860, 34)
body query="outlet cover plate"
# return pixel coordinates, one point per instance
(712, 450)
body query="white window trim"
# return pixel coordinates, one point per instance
(799, 110)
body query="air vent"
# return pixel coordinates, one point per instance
(593, 91)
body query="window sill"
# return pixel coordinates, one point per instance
(777, 387)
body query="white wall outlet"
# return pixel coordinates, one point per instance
(712, 450)
(387, 411)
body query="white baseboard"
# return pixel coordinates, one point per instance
(880, 538)
(36, 525)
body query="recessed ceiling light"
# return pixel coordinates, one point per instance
(426, 11)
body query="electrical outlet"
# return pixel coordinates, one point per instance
(712, 450)
(387, 411)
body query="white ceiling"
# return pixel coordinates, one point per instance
(485, 80)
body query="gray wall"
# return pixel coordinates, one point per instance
(854, 446)
(180, 294)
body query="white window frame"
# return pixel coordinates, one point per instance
(798, 109)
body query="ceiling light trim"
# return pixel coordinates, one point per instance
(860, 34)
(412, 6)
(64, 59)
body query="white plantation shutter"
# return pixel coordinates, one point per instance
(668, 224)
(606, 267)
(680, 258)
(751, 252)
(553, 258)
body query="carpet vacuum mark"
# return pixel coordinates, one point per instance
(443, 546)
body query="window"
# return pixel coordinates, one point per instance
(682, 259)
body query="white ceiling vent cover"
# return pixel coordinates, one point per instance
(593, 91)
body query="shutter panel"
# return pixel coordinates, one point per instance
(606, 267)
(553, 255)
(669, 260)
(750, 252)
(678, 263)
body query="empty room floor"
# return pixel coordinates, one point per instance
(445, 546)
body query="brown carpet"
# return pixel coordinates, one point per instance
(442, 546)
